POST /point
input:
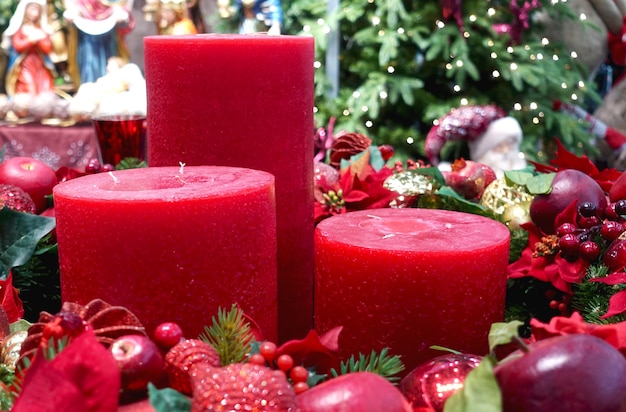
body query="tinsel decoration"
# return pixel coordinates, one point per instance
(10, 349)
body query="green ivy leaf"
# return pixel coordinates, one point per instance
(480, 391)
(168, 400)
(19, 235)
(502, 333)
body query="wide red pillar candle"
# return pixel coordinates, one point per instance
(171, 244)
(244, 100)
(408, 279)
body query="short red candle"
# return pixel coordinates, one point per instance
(246, 101)
(408, 279)
(171, 246)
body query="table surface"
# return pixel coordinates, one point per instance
(57, 146)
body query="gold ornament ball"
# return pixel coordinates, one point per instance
(516, 214)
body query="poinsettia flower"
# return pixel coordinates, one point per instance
(83, 377)
(359, 187)
(10, 299)
(316, 351)
(614, 334)
(567, 160)
(541, 258)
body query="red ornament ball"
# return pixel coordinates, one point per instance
(429, 385)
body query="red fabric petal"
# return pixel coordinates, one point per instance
(614, 334)
(83, 374)
(314, 351)
(10, 300)
(611, 279)
(617, 305)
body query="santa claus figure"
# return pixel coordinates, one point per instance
(493, 137)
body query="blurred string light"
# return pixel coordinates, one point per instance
(455, 64)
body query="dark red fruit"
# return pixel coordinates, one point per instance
(587, 209)
(92, 166)
(571, 373)
(620, 207)
(568, 186)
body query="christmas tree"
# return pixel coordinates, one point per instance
(389, 68)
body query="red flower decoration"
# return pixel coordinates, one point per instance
(541, 258)
(10, 299)
(84, 377)
(614, 334)
(315, 350)
(359, 187)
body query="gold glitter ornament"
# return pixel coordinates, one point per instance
(10, 348)
(499, 196)
(516, 214)
(409, 183)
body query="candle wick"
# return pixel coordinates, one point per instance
(448, 226)
(374, 217)
(180, 179)
(115, 180)
(388, 236)
(182, 167)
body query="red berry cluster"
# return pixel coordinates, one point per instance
(268, 356)
(593, 231)
(94, 166)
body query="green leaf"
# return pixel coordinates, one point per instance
(444, 349)
(21, 325)
(536, 184)
(461, 204)
(19, 235)
(168, 400)
(502, 333)
(540, 184)
(480, 391)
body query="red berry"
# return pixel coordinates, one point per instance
(284, 362)
(268, 350)
(300, 387)
(569, 244)
(620, 207)
(257, 359)
(93, 166)
(167, 335)
(299, 374)
(610, 213)
(566, 229)
(590, 251)
(587, 209)
(586, 222)
(611, 230)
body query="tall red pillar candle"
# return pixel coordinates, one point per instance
(247, 101)
(171, 244)
(408, 279)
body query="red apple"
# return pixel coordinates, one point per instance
(34, 177)
(358, 391)
(140, 361)
(568, 186)
(571, 373)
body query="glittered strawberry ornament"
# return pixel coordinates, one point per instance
(241, 386)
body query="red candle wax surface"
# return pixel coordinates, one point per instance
(246, 101)
(408, 279)
(171, 246)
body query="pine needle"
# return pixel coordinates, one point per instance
(382, 364)
(230, 335)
